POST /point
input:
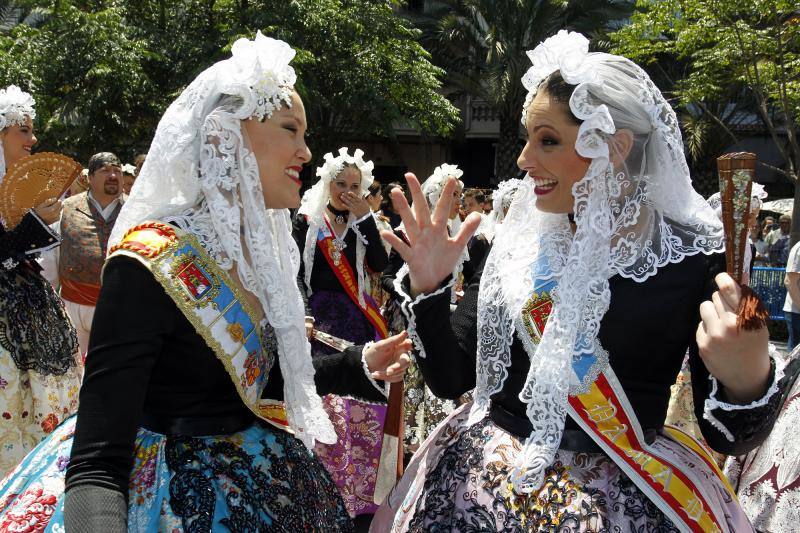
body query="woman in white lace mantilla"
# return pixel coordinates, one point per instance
(40, 372)
(200, 407)
(575, 327)
(337, 233)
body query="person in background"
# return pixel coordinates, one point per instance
(778, 242)
(791, 306)
(128, 178)
(487, 204)
(338, 237)
(473, 201)
(85, 226)
(138, 162)
(387, 208)
(39, 369)
(374, 198)
(769, 224)
(757, 234)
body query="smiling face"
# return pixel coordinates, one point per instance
(549, 155)
(17, 141)
(279, 146)
(348, 180)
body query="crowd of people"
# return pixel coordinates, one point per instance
(189, 344)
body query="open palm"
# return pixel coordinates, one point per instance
(431, 253)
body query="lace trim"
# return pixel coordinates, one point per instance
(407, 306)
(53, 234)
(713, 403)
(383, 390)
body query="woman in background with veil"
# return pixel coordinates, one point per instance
(39, 369)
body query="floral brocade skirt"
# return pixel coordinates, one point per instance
(258, 479)
(459, 481)
(31, 406)
(353, 460)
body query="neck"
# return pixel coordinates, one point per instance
(338, 212)
(103, 199)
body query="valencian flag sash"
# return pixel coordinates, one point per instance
(603, 411)
(213, 304)
(348, 279)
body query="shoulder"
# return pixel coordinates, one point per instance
(146, 241)
(75, 200)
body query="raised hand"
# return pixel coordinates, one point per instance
(355, 204)
(388, 359)
(431, 254)
(49, 210)
(738, 358)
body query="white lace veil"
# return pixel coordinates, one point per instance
(316, 199)
(201, 175)
(15, 106)
(501, 202)
(630, 220)
(432, 189)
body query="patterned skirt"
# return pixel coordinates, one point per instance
(459, 481)
(40, 372)
(353, 460)
(422, 411)
(258, 479)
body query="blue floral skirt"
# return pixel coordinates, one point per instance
(258, 479)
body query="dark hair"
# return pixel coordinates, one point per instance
(560, 91)
(98, 161)
(386, 203)
(374, 188)
(477, 194)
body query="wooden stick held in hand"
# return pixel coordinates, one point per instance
(736, 171)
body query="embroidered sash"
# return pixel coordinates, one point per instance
(604, 412)
(348, 279)
(213, 304)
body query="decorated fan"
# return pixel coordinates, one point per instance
(32, 180)
(736, 171)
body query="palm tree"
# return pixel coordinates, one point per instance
(15, 13)
(482, 44)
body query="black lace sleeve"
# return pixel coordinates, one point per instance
(29, 237)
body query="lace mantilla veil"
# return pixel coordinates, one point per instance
(631, 219)
(200, 175)
(501, 202)
(15, 106)
(316, 199)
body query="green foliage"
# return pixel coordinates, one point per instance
(483, 43)
(103, 71)
(734, 51)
